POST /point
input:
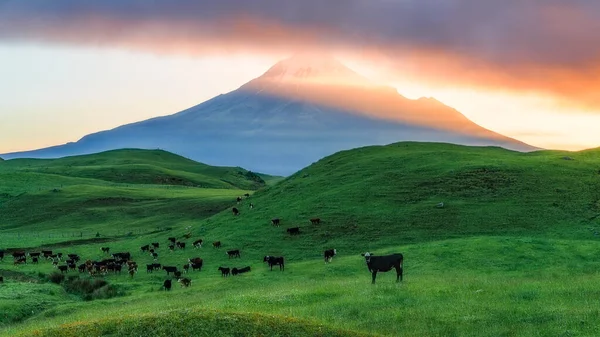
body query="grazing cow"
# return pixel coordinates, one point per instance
(238, 199)
(167, 285)
(149, 268)
(275, 222)
(235, 211)
(63, 269)
(156, 266)
(251, 205)
(236, 271)
(315, 221)
(224, 271)
(156, 245)
(145, 248)
(18, 254)
(329, 254)
(72, 266)
(185, 282)
(217, 244)
(81, 268)
(172, 239)
(169, 269)
(384, 263)
(171, 247)
(36, 254)
(34, 260)
(105, 249)
(293, 230)
(177, 274)
(235, 253)
(196, 266)
(154, 256)
(197, 243)
(195, 260)
(273, 261)
(181, 245)
(247, 195)
(186, 268)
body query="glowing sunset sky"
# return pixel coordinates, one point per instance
(529, 69)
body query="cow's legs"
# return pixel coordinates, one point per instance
(399, 273)
(374, 274)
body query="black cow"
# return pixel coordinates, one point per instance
(145, 248)
(329, 254)
(172, 239)
(156, 266)
(294, 230)
(167, 285)
(63, 269)
(236, 271)
(105, 249)
(275, 221)
(196, 266)
(149, 268)
(186, 267)
(247, 195)
(224, 271)
(169, 269)
(1, 279)
(177, 274)
(1, 255)
(217, 244)
(238, 199)
(235, 253)
(197, 243)
(154, 256)
(235, 211)
(35, 254)
(155, 245)
(272, 261)
(34, 260)
(181, 244)
(384, 263)
(185, 282)
(171, 247)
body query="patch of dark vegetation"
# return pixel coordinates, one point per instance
(471, 182)
(17, 276)
(88, 289)
(252, 176)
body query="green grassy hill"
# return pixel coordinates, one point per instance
(514, 250)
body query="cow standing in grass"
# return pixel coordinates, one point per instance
(329, 254)
(274, 261)
(384, 264)
(167, 285)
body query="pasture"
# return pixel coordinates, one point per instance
(514, 251)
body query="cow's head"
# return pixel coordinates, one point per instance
(367, 256)
(266, 258)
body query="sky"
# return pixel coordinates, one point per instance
(529, 69)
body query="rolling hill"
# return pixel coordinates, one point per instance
(300, 110)
(512, 251)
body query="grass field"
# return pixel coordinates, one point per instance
(514, 251)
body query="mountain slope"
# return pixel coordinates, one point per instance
(300, 110)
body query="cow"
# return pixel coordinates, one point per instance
(131, 272)
(35, 254)
(251, 205)
(46, 253)
(1, 255)
(180, 244)
(238, 199)
(177, 274)
(235, 253)
(156, 245)
(156, 266)
(154, 256)
(197, 243)
(315, 221)
(167, 285)
(169, 269)
(195, 260)
(272, 261)
(236, 271)
(224, 271)
(384, 263)
(293, 230)
(145, 248)
(63, 269)
(171, 247)
(186, 268)
(247, 195)
(172, 239)
(196, 266)
(275, 221)
(149, 268)
(34, 260)
(235, 211)
(329, 254)
(217, 244)
(1, 279)
(185, 282)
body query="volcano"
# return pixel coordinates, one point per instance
(301, 109)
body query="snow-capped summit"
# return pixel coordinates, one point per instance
(313, 68)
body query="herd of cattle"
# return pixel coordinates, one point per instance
(120, 260)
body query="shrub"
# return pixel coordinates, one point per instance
(56, 277)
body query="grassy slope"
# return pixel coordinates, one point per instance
(512, 252)
(141, 167)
